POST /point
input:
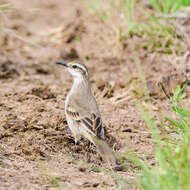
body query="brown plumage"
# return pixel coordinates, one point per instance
(82, 112)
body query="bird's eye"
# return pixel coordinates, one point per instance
(74, 66)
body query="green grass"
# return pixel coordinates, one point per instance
(157, 33)
(161, 34)
(172, 154)
(48, 174)
(172, 151)
(169, 6)
(166, 6)
(6, 7)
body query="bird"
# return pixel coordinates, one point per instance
(82, 111)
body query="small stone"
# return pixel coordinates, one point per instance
(119, 168)
(95, 185)
(82, 169)
(129, 130)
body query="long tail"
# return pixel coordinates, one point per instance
(105, 150)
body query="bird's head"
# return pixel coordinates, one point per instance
(77, 70)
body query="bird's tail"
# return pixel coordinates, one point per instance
(105, 150)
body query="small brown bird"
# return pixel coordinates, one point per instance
(82, 112)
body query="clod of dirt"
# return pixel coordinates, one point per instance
(42, 69)
(81, 169)
(107, 90)
(43, 93)
(73, 54)
(7, 70)
(112, 141)
(16, 125)
(68, 33)
(165, 86)
(128, 130)
(95, 185)
(119, 168)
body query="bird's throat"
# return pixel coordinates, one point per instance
(80, 86)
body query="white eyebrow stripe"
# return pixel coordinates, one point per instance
(82, 67)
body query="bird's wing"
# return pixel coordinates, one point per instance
(91, 122)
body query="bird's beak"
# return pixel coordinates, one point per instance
(62, 63)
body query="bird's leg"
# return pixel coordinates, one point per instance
(74, 150)
(88, 151)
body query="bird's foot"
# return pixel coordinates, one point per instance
(88, 152)
(74, 152)
(88, 157)
(73, 155)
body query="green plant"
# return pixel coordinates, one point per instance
(169, 6)
(166, 6)
(186, 2)
(120, 19)
(183, 114)
(6, 7)
(47, 173)
(160, 33)
(172, 154)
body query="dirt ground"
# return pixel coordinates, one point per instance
(35, 143)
